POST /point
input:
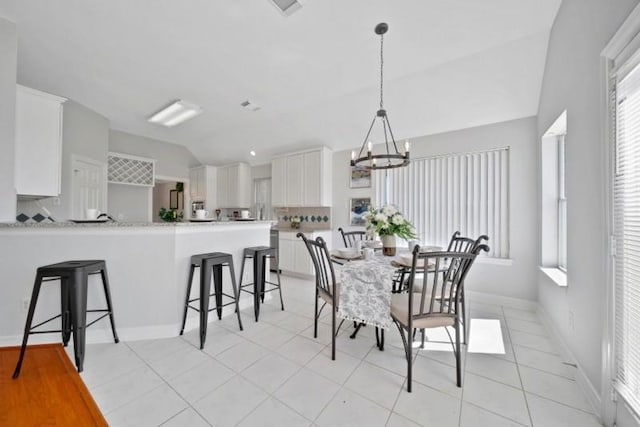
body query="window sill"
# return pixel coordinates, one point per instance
(494, 261)
(558, 276)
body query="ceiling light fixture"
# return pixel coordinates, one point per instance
(391, 158)
(175, 113)
(287, 7)
(253, 153)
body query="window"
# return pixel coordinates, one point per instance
(562, 207)
(554, 200)
(440, 195)
(626, 223)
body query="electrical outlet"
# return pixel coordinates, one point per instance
(56, 201)
(572, 324)
(25, 304)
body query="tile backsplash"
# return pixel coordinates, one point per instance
(314, 218)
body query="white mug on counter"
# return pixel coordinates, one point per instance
(201, 214)
(244, 214)
(92, 213)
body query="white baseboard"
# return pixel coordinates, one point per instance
(103, 335)
(593, 396)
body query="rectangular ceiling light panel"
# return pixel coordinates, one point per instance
(175, 113)
(287, 7)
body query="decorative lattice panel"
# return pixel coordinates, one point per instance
(125, 169)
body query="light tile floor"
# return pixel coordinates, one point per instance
(275, 373)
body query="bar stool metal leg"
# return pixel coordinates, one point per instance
(236, 292)
(27, 327)
(186, 302)
(205, 290)
(217, 286)
(107, 295)
(65, 301)
(78, 299)
(258, 286)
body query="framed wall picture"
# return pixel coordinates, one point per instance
(357, 208)
(360, 177)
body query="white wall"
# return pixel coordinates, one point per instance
(517, 280)
(572, 81)
(8, 67)
(130, 203)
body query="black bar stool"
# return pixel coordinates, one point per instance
(208, 263)
(259, 254)
(73, 277)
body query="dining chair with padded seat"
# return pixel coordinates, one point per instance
(351, 237)
(437, 304)
(459, 243)
(327, 289)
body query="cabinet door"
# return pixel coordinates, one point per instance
(244, 190)
(279, 181)
(285, 255)
(195, 178)
(223, 188)
(301, 259)
(232, 186)
(38, 143)
(294, 180)
(312, 179)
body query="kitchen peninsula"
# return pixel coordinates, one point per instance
(147, 263)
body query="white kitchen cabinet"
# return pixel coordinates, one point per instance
(223, 187)
(202, 186)
(234, 186)
(197, 184)
(279, 181)
(38, 142)
(302, 179)
(293, 256)
(294, 180)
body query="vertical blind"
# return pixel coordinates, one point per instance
(458, 192)
(626, 212)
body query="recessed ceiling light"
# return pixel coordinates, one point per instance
(253, 153)
(175, 113)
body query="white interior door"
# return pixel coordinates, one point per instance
(88, 187)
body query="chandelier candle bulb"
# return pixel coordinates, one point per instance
(406, 147)
(369, 147)
(353, 155)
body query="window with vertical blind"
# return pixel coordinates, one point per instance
(626, 213)
(458, 192)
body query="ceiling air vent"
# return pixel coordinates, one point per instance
(250, 105)
(287, 7)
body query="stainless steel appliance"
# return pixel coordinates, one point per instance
(274, 237)
(196, 206)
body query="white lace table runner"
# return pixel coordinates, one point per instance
(365, 291)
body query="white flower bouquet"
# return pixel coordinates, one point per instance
(387, 221)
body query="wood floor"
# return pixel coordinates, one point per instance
(48, 391)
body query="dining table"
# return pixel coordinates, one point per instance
(366, 286)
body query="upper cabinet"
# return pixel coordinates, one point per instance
(38, 143)
(302, 179)
(202, 185)
(234, 186)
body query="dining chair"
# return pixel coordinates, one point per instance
(437, 304)
(327, 288)
(351, 237)
(459, 243)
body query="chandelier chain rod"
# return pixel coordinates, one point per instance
(381, 71)
(366, 138)
(395, 146)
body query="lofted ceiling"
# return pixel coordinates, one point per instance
(449, 64)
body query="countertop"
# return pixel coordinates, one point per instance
(69, 224)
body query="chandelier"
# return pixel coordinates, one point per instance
(392, 158)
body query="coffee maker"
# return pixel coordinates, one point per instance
(196, 206)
